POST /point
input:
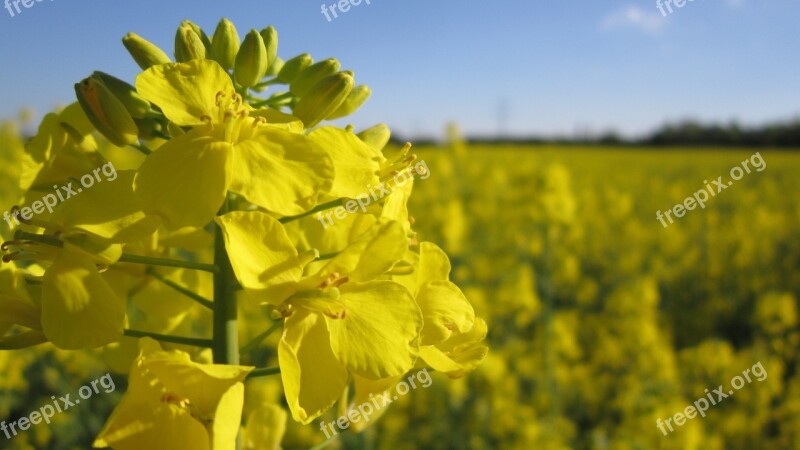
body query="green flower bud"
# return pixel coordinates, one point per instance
(323, 99)
(203, 36)
(106, 112)
(293, 67)
(225, 44)
(144, 52)
(358, 96)
(151, 128)
(275, 67)
(376, 137)
(188, 45)
(312, 75)
(270, 36)
(134, 103)
(251, 61)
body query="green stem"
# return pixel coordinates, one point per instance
(260, 338)
(322, 207)
(142, 148)
(264, 372)
(192, 295)
(226, 331)
(226, 336)
(171, 339)
(133, 259)
(151, 261)
(325, 443)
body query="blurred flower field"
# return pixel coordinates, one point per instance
(600, 320)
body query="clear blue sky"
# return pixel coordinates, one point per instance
(556, 66)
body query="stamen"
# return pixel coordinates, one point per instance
(219, 97)
(329, 281)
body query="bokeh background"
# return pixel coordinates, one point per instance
(554, 131)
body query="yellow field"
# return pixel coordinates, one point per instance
(601, 320)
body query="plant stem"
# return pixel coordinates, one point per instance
(133, 259)
(226, 336)
(226, 332)
(192, 295)
(260, 338)
(197, 342)
(150, 261)
(322, 207)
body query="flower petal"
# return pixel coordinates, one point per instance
(281, 171)
(355, 162)
(185, 181)
(185, 92)
(313, 379)
(109, 211)
(445, 310)
(379, 335)
(79, 309)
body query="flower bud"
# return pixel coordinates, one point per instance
(251, 61)
(106, 112)
(144, 52)
(323, 99)
(188, 45)
(151, 128)
(270, 37)
(275, 67)
(293, 67)
(225, 44)
(134, 103)
(358, 96)
(376, 137)
(312, 75)
(199, 31)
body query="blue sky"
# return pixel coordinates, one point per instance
(554, 67)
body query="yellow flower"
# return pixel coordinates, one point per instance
(17, 308)
(341, 319)
(452, 338)
(229, 147)
(177, 404)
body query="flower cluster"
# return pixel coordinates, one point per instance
(213, 211)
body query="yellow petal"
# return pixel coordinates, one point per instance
(313, 379)
(365, 391)
(108, 211)
(79, 309)
(260, 250)
(185, 181)
(379, 335)
(371, 255)
(445, 310)
(434, 265)
(185, 92)
(356, 164)
(281, 171)
(265, 428)
(460, 354)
